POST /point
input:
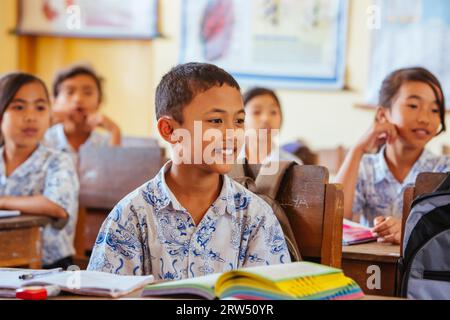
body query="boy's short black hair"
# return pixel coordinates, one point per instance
(74, 71)
(181, 84)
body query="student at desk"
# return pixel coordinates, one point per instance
(263, 112)
(411, 114)
(78, 94)
(34, 179)
(191, 219)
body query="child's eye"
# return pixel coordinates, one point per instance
(240, 121)
(436, 111)
(41, 108)
(215, 121)
(17, 107)
(412, 106)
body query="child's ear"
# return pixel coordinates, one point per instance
(166, 128)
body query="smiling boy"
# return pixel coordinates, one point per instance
(191, 219)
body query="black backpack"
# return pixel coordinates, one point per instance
(425, 263)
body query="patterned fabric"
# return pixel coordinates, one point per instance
(56, 138)
(52, 174)
(149, 232)
(378, 193)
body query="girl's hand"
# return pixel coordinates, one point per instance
(381, 132)
(100, 120)
(388, 229)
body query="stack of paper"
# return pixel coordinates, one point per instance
(9, 213)
(90, 283)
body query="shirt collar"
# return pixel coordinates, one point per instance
(228, 200)
(382, 170)
(64, 145)
(33, 161)
(61, 139)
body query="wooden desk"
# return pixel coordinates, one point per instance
(21, 242)
(357, 259)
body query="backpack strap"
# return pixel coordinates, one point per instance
(270, 184)
(445, 185)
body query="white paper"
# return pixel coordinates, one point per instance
(9, 213)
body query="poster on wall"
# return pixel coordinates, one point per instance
(411, 33)
(277, 43)
(135, 19)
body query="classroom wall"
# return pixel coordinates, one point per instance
(133, 68)
(8, 42)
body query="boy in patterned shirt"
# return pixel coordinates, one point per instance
(191, 219)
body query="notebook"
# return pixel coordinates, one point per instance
(9, 213)
(299, 280)
(90, 283)
(355, 233)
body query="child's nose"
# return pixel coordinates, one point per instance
(30, 117)
(424, 117)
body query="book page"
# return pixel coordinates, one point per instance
(206, 282)
(282, 272)
(81, 282)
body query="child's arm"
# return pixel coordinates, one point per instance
(102, 121)
(37, 205)
(380, 132)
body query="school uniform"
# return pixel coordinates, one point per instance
(149, 232)
(378, 192)
(56, 138)
(52, 174)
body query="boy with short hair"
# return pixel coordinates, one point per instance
(191, 219)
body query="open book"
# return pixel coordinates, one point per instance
(299, 280)
(91, 283)
(355, 233)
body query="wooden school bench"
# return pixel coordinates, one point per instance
(315, 211)
(107, 174)
(21, 241)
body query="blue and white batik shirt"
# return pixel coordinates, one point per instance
(378, 192)
(52, 174)
(149, 232)
(56, 138)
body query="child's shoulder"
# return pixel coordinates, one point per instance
(99, 138)
(51, 154)
(145, 199)
(244, 199)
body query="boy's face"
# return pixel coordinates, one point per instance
(415, 113)
(79, 97)
(27, 117)
(218, 116)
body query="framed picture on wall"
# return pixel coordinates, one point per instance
(411, 34)
(131, 19)
(276, 43)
